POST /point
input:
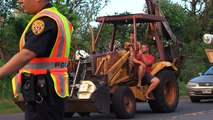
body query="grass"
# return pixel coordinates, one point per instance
(182, 88)
(8, 106)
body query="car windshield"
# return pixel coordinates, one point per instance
(209, 71)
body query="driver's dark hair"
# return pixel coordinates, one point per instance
(131, 32)
(145, 45)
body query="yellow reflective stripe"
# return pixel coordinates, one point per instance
(66, 85)
(24, 71)
(61, 39)
(67, 34)
(16, 84)
(69, 31)
(15, 93)
(64, 29)
(57, 87)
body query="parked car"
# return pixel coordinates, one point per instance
(201, 87)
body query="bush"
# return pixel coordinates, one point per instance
(182, 88)
(195, 62)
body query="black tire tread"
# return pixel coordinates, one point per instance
(160, 104)
(118, 104)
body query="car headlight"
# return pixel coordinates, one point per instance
(191, 84)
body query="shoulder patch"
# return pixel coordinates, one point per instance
(38, 27)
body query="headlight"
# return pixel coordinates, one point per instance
(191, 84)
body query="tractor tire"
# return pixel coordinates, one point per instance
(166, 94)
(194, 99)
(123, 103)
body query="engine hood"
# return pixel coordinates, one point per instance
(203, 78)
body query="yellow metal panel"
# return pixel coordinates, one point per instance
(117, 75)
(140, 92)
(122, 79)
(122, 52)
(209, 53)
(103, 63)
(117, 66)
(160, 65)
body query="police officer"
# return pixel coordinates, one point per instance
(41, 62)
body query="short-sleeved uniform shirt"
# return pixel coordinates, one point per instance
(42, 43)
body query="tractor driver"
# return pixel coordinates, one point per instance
(148, 60)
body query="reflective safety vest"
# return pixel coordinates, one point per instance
(56, 63)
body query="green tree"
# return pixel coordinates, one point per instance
(178, 20)
(206, 18)
(201, 16)
(82, 12)
(7, 30)
(86, 10)
(195, 7)
(6, 7)
(195, 61)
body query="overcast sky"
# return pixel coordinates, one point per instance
(121, 6)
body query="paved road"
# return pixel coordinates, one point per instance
(185, 111)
